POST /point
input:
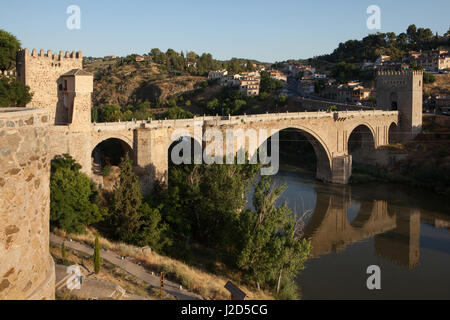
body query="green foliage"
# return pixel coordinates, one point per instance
(9, 45)
(428, 78)
(344, 72)
(268, 84)
(282, 100)
(97, 256)
(152, 231)
(288, 290)
(374, 45)
(109, 113)
(177, 113)
(202, 203)
(270, 243)
(205, 204)
(126, 200)
(332, 108)
(132, 219)
(192, 62)
(106, 171)
(72, 196)
(113, 113)
(13, 93)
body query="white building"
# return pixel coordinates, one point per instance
(213, 75)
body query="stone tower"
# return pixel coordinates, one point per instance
(42, 73)
(402, 91)
(75, 95)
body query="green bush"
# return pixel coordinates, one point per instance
(73, 196)
(106, 171)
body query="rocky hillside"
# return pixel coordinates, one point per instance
(123, 84)
(440, 87)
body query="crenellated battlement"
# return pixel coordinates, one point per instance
(50, 55)
(41, 71)
(400, 73)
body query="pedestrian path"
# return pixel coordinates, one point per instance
(130, 267)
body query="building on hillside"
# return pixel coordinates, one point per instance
(253, 74)
(433, 60)
(139, 59)
(393, 66)
(382, 60)
(249, 86)
(351, 92)
(306, 87)
(230, 80)
(277, 75)
(107, 58)
(219, 74)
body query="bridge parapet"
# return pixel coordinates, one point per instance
(219, 120)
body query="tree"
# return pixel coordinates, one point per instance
(110, 113)
(271, 249)
(96, 256)
(268, 84)
(73, 196)
(14, 93)
(412, 33)
(152, 231)
(428, 78)
(9, 45)
(126, 200)
(202, 204)
(177, 113)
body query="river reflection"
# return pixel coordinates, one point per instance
(405, 231)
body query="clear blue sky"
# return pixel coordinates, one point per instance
(265, 30)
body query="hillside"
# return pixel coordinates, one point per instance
(440, 87)
(123, 84)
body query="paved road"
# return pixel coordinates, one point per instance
(132, 268)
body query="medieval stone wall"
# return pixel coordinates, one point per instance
(26, 268)
(41, 71)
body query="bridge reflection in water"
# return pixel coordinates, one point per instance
(396, 229)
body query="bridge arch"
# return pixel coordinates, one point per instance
(321, 150)
(394, 134)
(184, 142)
(361, 143)
(110, 151)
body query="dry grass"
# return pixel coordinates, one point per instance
(108, 273)
(193, 279)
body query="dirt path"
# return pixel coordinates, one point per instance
(132, 268)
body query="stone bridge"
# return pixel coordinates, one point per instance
(148, 142)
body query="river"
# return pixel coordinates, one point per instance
(404, 231)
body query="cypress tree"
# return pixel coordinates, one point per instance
(96, 256)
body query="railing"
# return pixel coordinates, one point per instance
(199, 121)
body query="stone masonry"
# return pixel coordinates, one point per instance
(26, 267)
